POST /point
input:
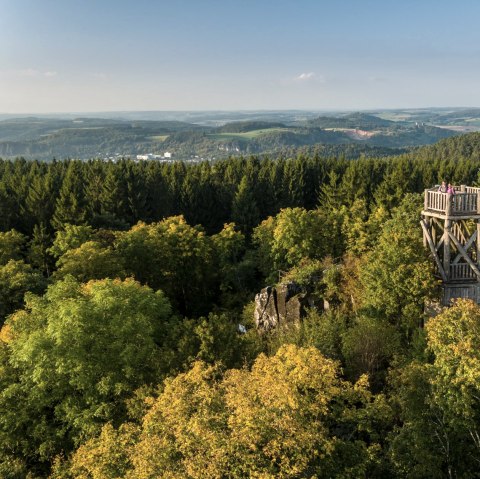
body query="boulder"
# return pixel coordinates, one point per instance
(280, 304)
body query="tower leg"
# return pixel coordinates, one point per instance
(446, 248)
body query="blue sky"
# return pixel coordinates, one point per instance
(105, 55)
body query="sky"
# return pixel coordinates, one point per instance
(121, 55)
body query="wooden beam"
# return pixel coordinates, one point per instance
(435, 220)
(464, 254)
(446, 247)
(427, 221)
(478, 244)
(457, 231)
(439, 245)
(456, 216)
(427, 236)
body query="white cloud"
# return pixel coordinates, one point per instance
(305, 76)
(50, 74)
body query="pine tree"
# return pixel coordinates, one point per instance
(39, 202)
(70, 205)
(39, 246)
(245, 212)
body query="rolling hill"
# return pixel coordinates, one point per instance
(109, 138)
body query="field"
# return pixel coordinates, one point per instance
(248, 135)
(159, 138)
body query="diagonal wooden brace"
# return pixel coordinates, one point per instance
(467, 246)
(462, 251)
(434, 251)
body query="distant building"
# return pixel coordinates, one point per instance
(151, 156)
(167, 154)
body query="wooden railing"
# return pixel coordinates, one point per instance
(461, 271)
(466, 200)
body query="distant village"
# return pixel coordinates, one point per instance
(150, 156)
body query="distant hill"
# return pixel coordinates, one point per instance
(84, 137)
(358, 120)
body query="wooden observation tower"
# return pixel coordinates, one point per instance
(451, 229)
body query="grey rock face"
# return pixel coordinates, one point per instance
(280, 304)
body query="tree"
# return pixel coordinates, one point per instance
(12, 245)
(245, 212)
(16, 279)
(397, 275)
(439, 401)
(293, 235)
(290, 416)
(454, 339)
(39, 249)
(70, 204)
(236, 271)
(40, 199)
(173, 256)
(77, 354)
(70, 237)
(89, 261)
(368, 347)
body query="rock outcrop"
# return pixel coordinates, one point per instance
(280, 304)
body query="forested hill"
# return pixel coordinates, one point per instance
(465, 147)
(129, 348)
(85, 138)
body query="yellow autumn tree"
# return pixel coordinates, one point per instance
(291, 415)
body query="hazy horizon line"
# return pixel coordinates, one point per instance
(236, 110)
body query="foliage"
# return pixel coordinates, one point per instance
(82, 368)
(16, 279)
(397, 275)
(295, 234)
(12, 244)
(173, 256)
(70, 237)
(439, 402)
(291, 415)
(90, 261)
(368, 348)
(77, 353)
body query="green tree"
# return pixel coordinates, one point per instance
(89, 261)
(454, 339)
(173, 256)
(236, 272)
(12, 245)
(397, 275)
(77, 354)
(70, 237)
(16, 279)
(293, 235)
(39, 249)
(70, 204)
(245, 211)
(368, 348)
(40, 199)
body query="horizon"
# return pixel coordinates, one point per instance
(252, 110)
(85, 57)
